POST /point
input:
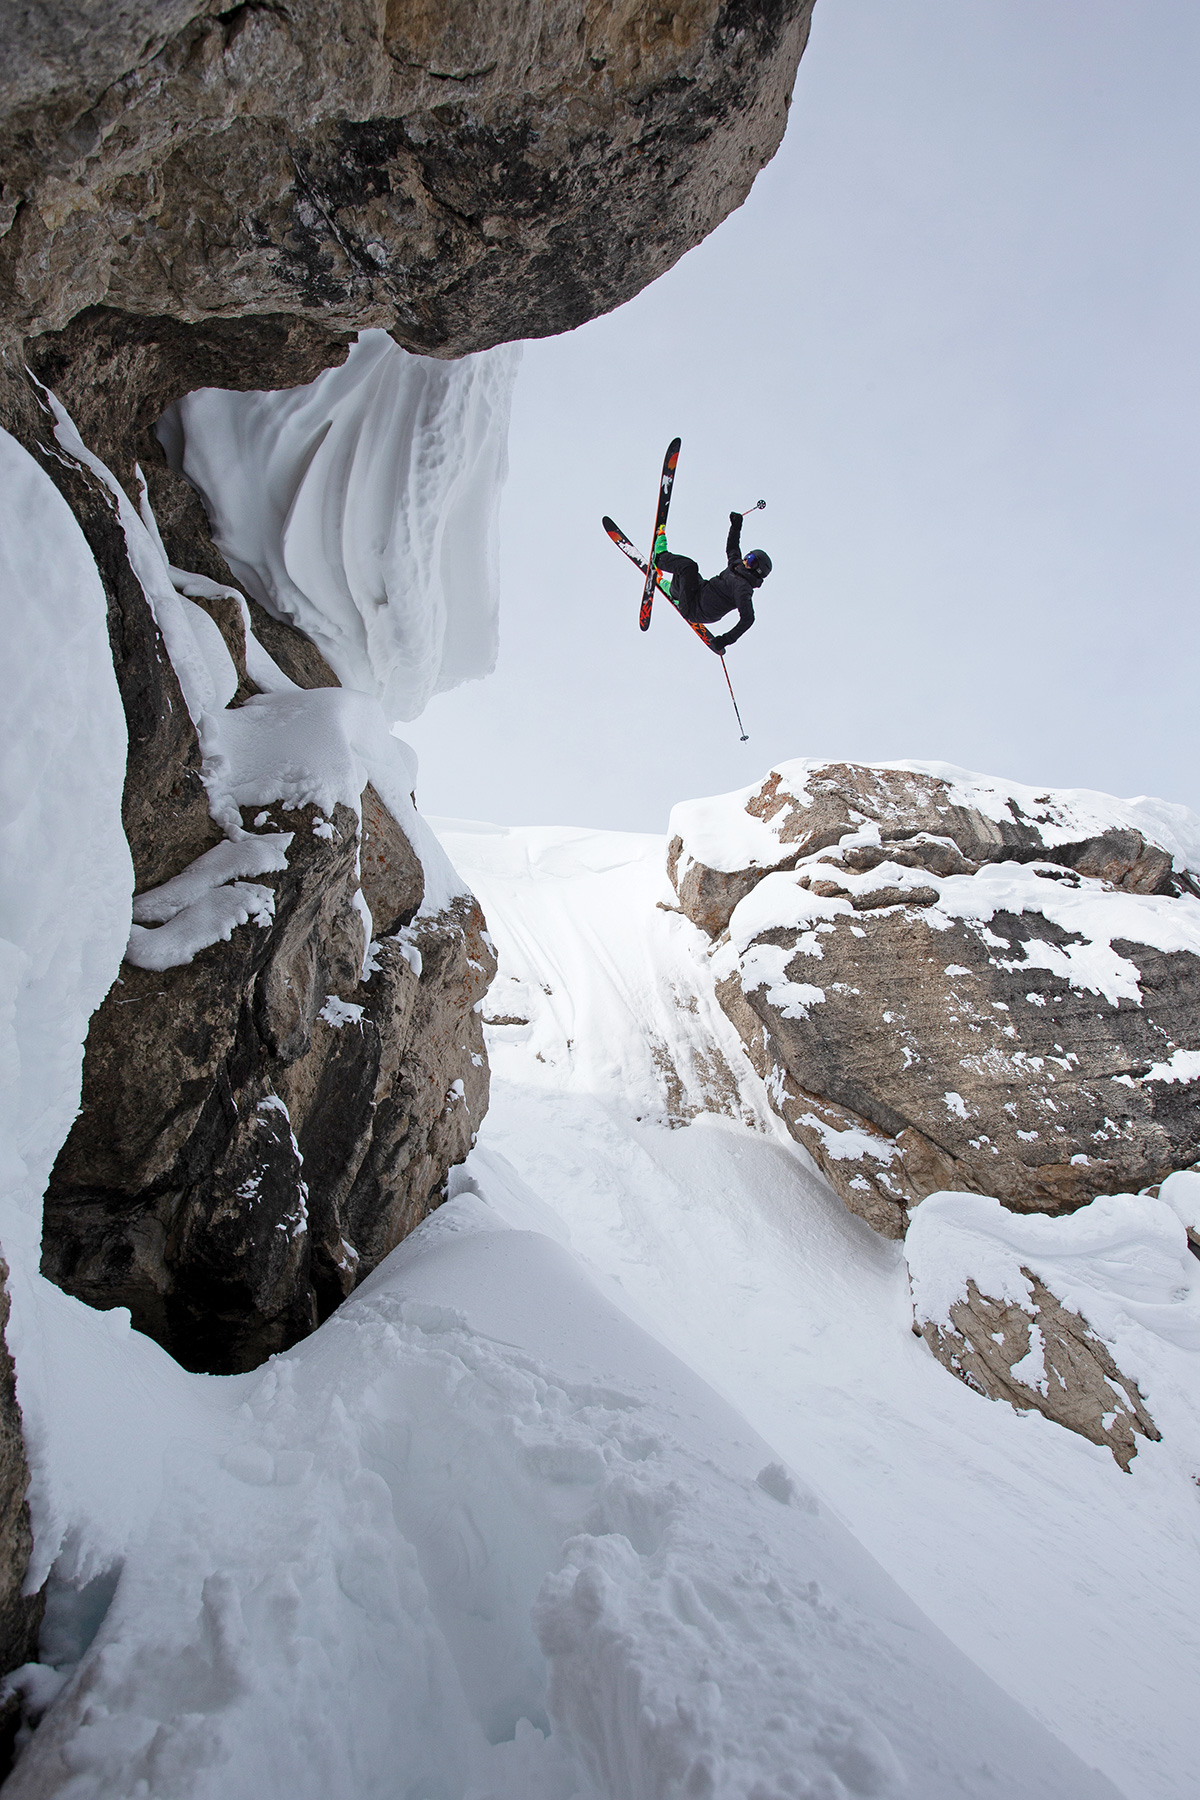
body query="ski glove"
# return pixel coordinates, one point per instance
(721, 644)
(735, 518)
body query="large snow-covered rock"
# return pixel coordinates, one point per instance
(955, 982)
(290, 1059)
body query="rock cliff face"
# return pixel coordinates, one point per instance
(260, 1124)
(196, 196)
(461, 174)
(952, 984)
(20, 1615)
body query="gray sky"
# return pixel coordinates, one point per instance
(952, 338)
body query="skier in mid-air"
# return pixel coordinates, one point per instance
(701, 603)
(704, 602)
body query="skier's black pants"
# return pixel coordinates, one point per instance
(686, 582)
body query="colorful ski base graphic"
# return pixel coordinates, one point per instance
(665, 485)
(635, 556)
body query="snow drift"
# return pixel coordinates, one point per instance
(363, 507)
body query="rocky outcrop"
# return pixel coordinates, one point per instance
(1075, 1318)
(260, 1124)
(193, 197)
(953, 983)
(459, 174)
(924, 822)
(20, 1614)
(1046, 1358)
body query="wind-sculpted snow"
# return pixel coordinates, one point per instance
(363, 508)
(300, 747)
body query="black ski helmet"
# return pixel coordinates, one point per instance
(758, 562)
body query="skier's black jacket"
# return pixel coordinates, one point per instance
(731, 588)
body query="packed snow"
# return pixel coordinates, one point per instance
(371, 520)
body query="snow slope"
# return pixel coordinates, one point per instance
(1075, 1586)
(483, 1536)
(480, 1501)
(481, 1504)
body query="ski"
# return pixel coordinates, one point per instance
(635, 556)
(660, 524)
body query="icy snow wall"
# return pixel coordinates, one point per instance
(363, 509)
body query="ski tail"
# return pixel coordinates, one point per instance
(661, 581)
(666, 483)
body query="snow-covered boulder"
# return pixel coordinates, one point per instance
(955, 982)
(1076, 1318)
(289, 1060)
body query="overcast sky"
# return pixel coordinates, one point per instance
(952, 339)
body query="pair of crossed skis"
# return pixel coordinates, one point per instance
(650, 569)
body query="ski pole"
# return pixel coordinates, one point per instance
(759, 506)
(729, 685)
